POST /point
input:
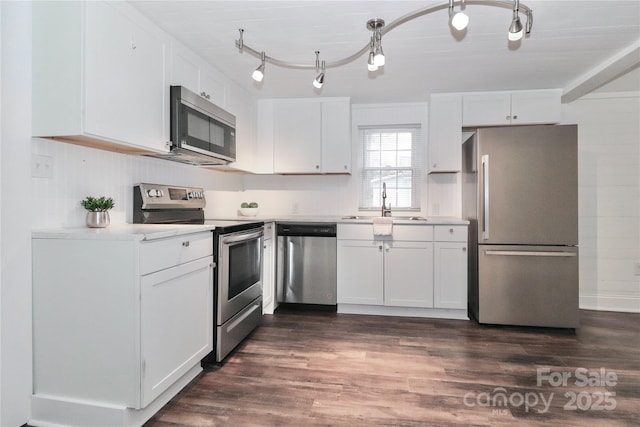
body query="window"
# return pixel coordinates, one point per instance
(391, 155)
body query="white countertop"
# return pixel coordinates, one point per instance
(121, 232)
(432, 220)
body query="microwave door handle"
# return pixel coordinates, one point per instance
(242, 237)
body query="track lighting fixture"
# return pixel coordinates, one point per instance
(515, 29)
(371, 64)
(375, 58)
(376, 25)
(319, 80)
(459, 20)
(258, 73)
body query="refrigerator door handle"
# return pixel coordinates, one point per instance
(485, 199)
(532, 253)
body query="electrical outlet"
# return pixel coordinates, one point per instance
(41, 166)
(636, 268)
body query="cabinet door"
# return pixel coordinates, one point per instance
(360, 272)
(297, 137)
(534, 107)
(267, 277)
(184, 70)
(176, 323)
(212, 88)
(486, 109)
(450, 271)
(445, 133)
(241, 105)
(263, 158)
(408, 274)
(125, 90)
(336, 136)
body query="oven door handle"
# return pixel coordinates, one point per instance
(241, 237)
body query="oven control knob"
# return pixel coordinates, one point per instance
(152, 193)
(190, 195)
(200, 195)
(160, 193)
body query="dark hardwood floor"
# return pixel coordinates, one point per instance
(326, 369)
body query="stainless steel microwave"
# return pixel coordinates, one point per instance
(201, 133)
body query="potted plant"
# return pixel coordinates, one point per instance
(98, 211)
(249, 209)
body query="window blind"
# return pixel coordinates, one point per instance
(391, 155)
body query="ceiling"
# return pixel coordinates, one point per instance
(570, 42)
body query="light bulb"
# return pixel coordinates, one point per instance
(371, 65)
(378, 59)
(460, 21)
(258, 75)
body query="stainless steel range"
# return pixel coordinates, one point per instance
(237, 252)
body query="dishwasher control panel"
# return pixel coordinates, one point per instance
(307, 229)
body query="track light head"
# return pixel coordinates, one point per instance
(258, 73)
(371, 64)
(319, 80)
(515, 29)
(459, 20)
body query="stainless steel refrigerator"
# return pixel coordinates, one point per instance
(520, 194)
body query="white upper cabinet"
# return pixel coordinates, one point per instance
(445, 133)
(511, 108)
(306, 135)
(297, 137)
(190, 71)
(98, 76)
(336, 136)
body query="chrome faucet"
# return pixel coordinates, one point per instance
(385, 211)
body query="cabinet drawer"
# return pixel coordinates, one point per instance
(451, 233)
(415, 233)
(157, 255)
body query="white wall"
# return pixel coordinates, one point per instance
(79, 172)
(15, 224)
(609, 199)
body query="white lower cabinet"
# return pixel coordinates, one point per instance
(450, 267)
(176, 324)
(120, 324)
(360, 272)
(268, 269)
(406, 274)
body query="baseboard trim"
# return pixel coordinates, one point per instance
(610, 303)
(379, 310)
(55, 411)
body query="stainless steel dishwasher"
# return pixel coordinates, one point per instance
(306, 263)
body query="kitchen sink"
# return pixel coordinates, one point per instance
(404, 218)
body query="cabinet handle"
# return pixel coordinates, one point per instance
(133, 45)
(464, 249)
(380, 247)
(451, 230)
(185, 244)
(317, 166)
(345, 167)
(435, 165)
(508, 117)
(515, 117)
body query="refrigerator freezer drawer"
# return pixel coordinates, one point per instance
(528, 285)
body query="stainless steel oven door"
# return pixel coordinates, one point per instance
(239, 271)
